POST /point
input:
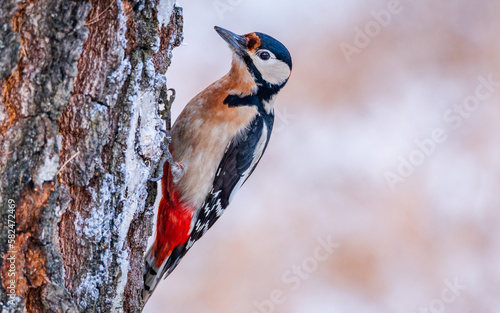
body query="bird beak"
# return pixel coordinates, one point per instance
(236, 42)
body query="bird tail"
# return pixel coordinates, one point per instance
(173, 225)
(151, 277)
(154, 273)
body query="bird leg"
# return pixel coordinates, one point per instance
(176, 168)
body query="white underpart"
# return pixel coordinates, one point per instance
(272, 70)
(201, 164)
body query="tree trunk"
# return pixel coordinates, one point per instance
(80, 136)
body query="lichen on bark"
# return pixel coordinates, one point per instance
(79, 136)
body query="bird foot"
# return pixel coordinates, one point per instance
(177, 168)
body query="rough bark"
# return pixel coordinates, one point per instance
(81, 83)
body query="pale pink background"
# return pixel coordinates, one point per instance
(341, 126)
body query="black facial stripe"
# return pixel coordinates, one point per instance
(266, 90)
(235, 101)
(252, 100)
(264, 94)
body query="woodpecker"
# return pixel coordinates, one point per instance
(217, 141)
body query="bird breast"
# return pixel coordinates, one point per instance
(200, 137)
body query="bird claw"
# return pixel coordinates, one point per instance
(176, 168)
(168, 138)
(164, 158)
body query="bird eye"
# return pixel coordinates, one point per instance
(264, 55)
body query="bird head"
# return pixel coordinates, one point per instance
(267, 59)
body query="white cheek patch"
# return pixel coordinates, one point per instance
(273, 70)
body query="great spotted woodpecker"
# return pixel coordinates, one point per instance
(217, 141)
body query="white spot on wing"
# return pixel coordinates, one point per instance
(189, 244)
(269, 105)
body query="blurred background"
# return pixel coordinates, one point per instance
(379, 189)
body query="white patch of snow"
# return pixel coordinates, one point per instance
(156, 44)
(98, 225)
(149, 136)
(147, 141)
(3, 114)
(150, 68)
(78, 224)
(122, 27)
(165, 9)
(117, 77)
(124, 268)
(121, 71)
(90, 288)
(97, 229)
(50, 166)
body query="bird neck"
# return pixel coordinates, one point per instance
(248, 88)
(241, 81)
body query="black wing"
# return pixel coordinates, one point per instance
(240, 159)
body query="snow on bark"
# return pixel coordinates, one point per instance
(81, 135)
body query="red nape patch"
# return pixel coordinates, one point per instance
(172, 228)
(253, 41)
